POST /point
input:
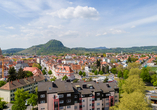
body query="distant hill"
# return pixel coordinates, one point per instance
(56, 47)
(51, 47)
(12, 50)
(100, 48)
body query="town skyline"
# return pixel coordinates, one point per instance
(78, 23)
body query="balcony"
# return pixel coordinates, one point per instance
(93, 106)
(80, 103)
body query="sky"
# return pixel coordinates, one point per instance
(78, 23)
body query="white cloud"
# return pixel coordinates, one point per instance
(11, 27)
(56, 27)
(69, 33)
(133, 26)
(77, 12)
(70, 3)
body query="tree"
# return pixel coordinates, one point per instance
(145, 75)
(129, 59)
(155, 83)
(83, 74)
(64, 77)
(114, 70)
(75, 80)
(21, 74)
(132, 84)
(53, 79)
(105, 80)
(101, 73)
(98, 63)
(20, 97)
(153, 78)
(37, 65)
(120, 84)
(80, 73)
(49, 72)
(33, 100)
(29, 73)
(133, 65)
(12, 74)
(2, 103)
(95, 72)
(44, 72)
(2, 83)
(113, 61)
(107, 69)
(125, 74)
(133, 101)
(134, 71)
(120, 74)
(120, 68)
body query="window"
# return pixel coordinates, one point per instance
(42, 108)
(107, 103)
(49, 88)
(68, 95)
(61, 96)
(83, 100)
(75, 101)
(107, 99)
(90, 99)
(98, 108)
(98, 98)
(93, 99)
(75, 107)
(75, 96)
(115, 100)
(69, 106)
(69, 100)
(42, 96)
(98, 104)
(83, 105)
(43, 101)
(98, 94)
(90, 104)
(61, 101)
(90, 95)
(91, 87)
(115, 96)
(60, 107)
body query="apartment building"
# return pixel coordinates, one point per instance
(64, 95)
(28, 84)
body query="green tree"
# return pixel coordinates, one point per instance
(114, 70)
(2, 103)
(133, 101)
(37, 65)
(133, 65)
(21, 74)
(33, 100)
(132, 84)
(80, 73)
(12, 74)
(98, 63)
(83, 74)
(120, 84)
(125, 74)
(20, 97)
(53, 79)
(44, 72)
(134, 71)
(155, 83)
(120, 74)
(129, 59)
(49, 72)
(2, 83)
(153, 78)
(101, 73)
(95, 72)
(145, 75)
(120, 68)
(113, 61)
(107, 69)
(29, 73)
(75, 80)
(65, 77)
(105, 80)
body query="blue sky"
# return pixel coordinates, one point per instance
(78, 23)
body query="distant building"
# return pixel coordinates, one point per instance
(64, 95)
(0, 51)
(28, 84)
(36, 71)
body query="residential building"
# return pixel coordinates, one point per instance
(76, 68)
(64, 95)
(28, 84)
(36, 71)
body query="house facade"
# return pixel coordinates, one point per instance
(63, 95)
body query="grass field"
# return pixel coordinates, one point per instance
(153, 69)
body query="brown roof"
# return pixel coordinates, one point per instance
(22, 82)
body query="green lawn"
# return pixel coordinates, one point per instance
(153, 69)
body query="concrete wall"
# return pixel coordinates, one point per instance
(5, 94)
(44, 105)
(50, 101)
(98, 106)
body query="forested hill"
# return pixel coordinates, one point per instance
(57, 47)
